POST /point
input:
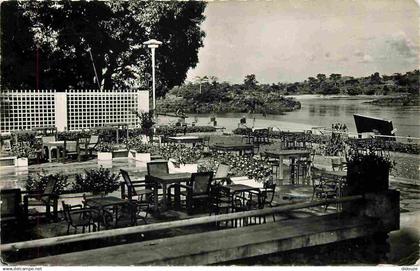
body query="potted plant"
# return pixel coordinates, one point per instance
(146, 122)
(181, 158)
(367, 172)
(22, 150)
(104, 151)
(138, 150)
(96, 181)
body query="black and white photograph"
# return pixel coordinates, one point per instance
(227, 133)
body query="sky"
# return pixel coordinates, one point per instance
(290, 40)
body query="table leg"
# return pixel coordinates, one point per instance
(280, 169)
(177, 197)
(155, 199)
(50, 154)
(164, 196)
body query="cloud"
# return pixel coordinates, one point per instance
(362, 57)
(311, 57)
(343, 59)
(358, 53)
(366, 59)
(401, 44)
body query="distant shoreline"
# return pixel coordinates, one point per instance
(335, 96)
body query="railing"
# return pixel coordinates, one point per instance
(168, 225)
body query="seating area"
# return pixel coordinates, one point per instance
(158, 189)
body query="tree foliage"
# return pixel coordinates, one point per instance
(66, 34)
(224, 97)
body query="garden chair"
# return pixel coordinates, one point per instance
(76, 216)
(156, 167)
(120, 215)
(197, 191)
(221, 175)
(48, 198)
(91, 145)
(267, 196)
(246, 201)
(83, 146)
(11, 207)
(138, 188)
(71, 149)
(336, 164)
(323, 188)
(220, 202)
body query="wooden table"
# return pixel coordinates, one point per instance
(186, 139)
(237, 188)
(233, 147)
(164, 180)
(237, 191)
(287, 154)
(100, 203)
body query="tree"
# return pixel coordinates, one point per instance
(321, 78)
(335, 77)
(375, 79)
(201, 80)
(250, 81)
(313, 83)
(65, 34)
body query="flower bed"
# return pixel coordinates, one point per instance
(180, 153)
(378, 143)
(239, 166)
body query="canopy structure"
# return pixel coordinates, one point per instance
(366, 124)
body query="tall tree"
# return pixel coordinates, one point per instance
(71, 37)
(250, 81)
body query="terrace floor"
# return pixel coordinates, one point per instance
(12, 177)
(286, 193)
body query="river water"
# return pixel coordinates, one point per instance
(321, 111)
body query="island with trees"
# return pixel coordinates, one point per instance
(206, 94)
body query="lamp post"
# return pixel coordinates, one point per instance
(153, 44)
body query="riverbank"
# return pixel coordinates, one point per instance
(406, 100)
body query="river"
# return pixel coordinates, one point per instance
(321, 111)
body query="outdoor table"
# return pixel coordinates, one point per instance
(240, 189)
(287, 154)
(165, 180)
(54, 145)
(233, 147)
(186, 139)
(100, 202)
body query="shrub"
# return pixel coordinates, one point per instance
(23, 149)
(72, 135)
(96, 181)
(39, 183)
(367, 172)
